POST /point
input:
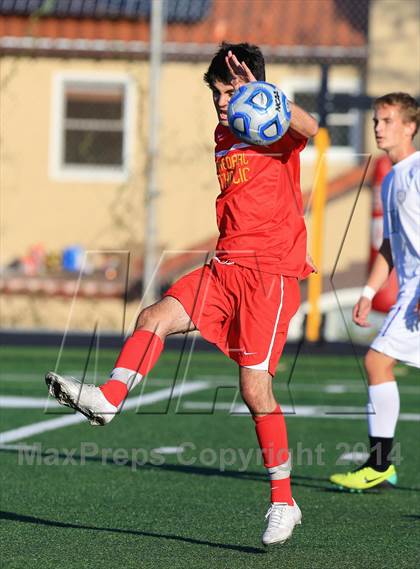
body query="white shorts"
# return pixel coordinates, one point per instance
(399, 336)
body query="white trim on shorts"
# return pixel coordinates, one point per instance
(263, 366)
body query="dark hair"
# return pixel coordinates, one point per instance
(249, 53)
(408, 106)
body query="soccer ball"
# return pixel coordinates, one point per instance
(259, 113)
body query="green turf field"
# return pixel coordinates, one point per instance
(103, 497)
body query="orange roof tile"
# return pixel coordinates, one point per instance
(270, 23)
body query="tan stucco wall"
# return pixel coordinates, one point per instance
(36, 207)
(338, 214)
(24, 311)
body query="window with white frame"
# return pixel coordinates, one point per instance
(345, 128)
(91, 135)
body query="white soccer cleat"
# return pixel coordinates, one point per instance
(87, 399)
(282, 519)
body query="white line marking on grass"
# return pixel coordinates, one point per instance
(335, 389)
(17, 402)
(132, 403)
(169, 450)
(15, 377)
(331, 385)
(18, 447)
(354, 456)
(90, 378)
(221, 406)
(159, 450)
(40, 427)
(299, 411)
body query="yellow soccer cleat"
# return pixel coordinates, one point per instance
(365, 478)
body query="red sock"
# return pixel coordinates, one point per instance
(139, 354)
(114, 391)
(272, 437)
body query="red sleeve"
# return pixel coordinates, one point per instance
(299, 140)
(289, 142)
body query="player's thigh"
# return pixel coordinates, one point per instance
(167, 316)
(379, 367)
(203, 298)
(257, 390)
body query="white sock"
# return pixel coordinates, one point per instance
(383, 409)
(127, 376)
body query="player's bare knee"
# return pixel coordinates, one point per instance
(165, 317)
(151, 318)
(253, 402)
(143, 319)
(249, 390)
(248, 393)
(257, 399)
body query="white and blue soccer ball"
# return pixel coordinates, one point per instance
(259, 113)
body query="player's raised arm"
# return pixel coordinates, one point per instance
(380, 271)
(302, 123)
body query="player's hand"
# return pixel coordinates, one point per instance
(361, 311)
(241, 73)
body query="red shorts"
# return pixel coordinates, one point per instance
(246, 313)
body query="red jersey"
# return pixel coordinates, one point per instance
(259, 209)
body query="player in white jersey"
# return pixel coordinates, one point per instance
(396, 121)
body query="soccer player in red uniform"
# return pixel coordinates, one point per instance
(242, 300)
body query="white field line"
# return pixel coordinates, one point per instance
(132, 403)
(169, 450)
(18, 402)
(333, 386)
(28, 377)
(329, 386)
(22, 402)
(299, 411)
(20, 446)
(354, 456)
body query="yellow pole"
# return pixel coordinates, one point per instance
(313, 322)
